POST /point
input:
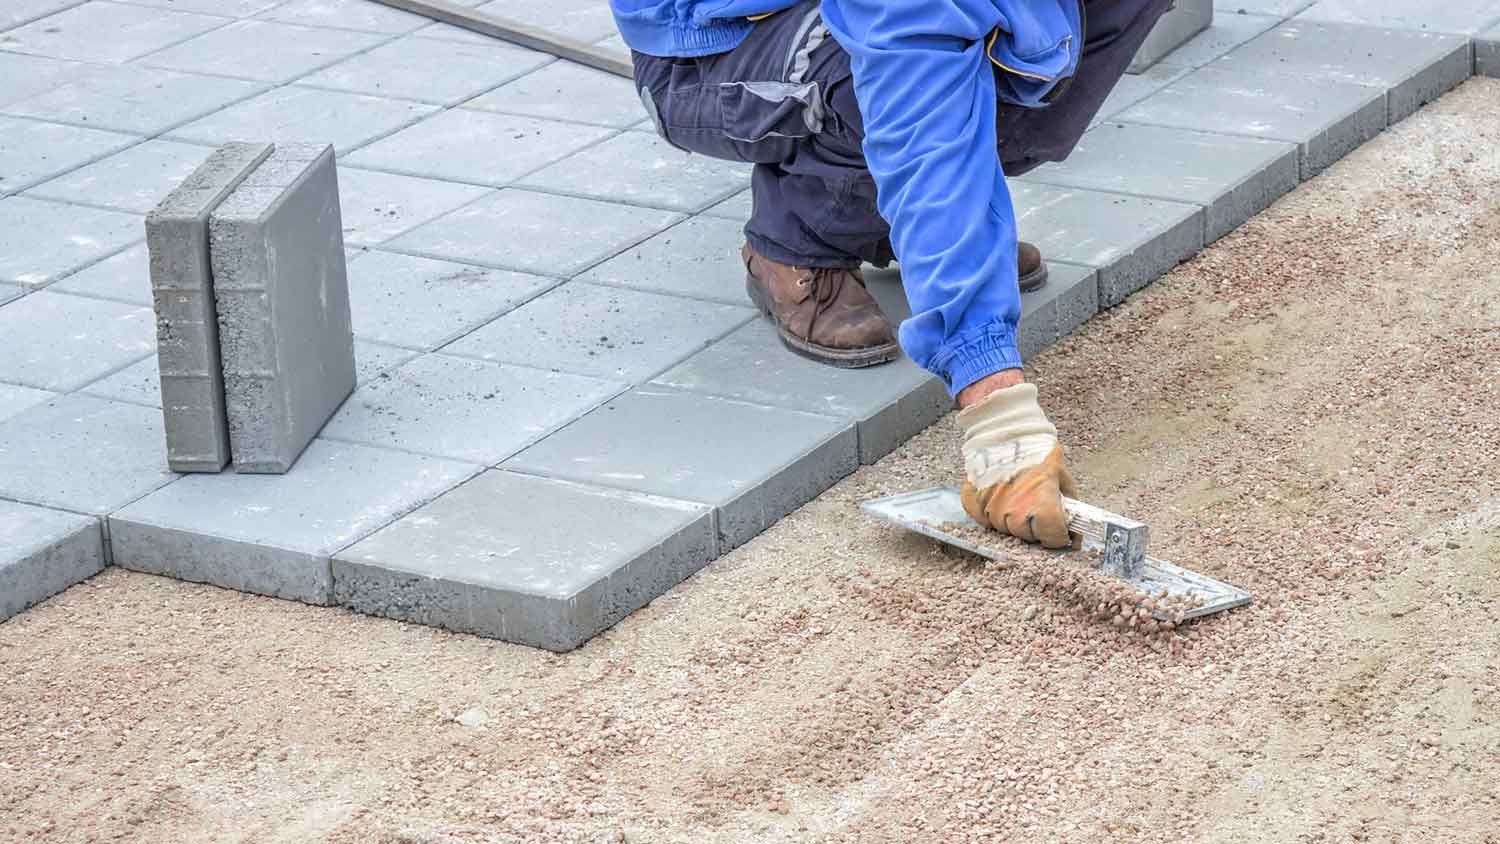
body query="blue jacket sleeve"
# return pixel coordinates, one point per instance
(927, 93)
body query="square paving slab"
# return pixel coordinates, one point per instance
(129, 98)
(566, 91)
(1487, 53)
(228, 8)
(1134, 87)
(139, 383)
(10, 291)
(262, 50)
(41, 241)
(535, 232)
(1226, 32)
(82, 454)
(1326, 118)
(1234, 178)
(492, 557)
(463, 409)
(59, 342)
(15, 398)
(306, 114)
(133, 180)
(1415, 67)
(124, 277)
(737, 207)
(643, 169)
(362, 15)
(43, 552)
(17, 12)
(32, 151)
(699, 257)
(378, 206)
(1130, 240)
(460, 145)
(107, 32)
(424, 69)
(607, 332)
(274, 534)
(671, 443)
(423, 303)
(1463, 17)
(585, 20)
(27, 76)
(1279, 8)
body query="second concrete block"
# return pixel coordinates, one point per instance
(282, 297)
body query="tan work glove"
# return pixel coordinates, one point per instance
(1015, 468)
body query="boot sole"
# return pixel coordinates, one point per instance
(841, 358)
(1034, 280)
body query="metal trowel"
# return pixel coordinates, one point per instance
(1122, 542)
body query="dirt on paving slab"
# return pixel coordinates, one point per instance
(1310, 409)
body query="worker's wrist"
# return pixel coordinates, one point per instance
(981, 389)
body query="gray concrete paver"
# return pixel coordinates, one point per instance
(422, 303)
(1233, 177)
(534, 232)
(135, 179)
(297, 113)
(107, 32)
(585, 20)
(43, 552)
(1462, 17)
(361, 15)
(17, 12)
(274, 534)
(1487, 53)
(15, 398)
(10, 291)
(27, 76)
(643, 169)
(1132, 88)
(41, 240)
(123, 277)
(59, 342)
(737, 207)
(699, 257)
(263, 51)
(566, 91)
(439, 72)
(33, 151)
(378, 206)
(1326, 118)
(464, 409)
(131, 98)
(1279, 8)
(228, 8)
(461, 145)
(606, 332)
(372, 360)
(1226, 32)
(139, 383)
(83, 454)
(492, 557)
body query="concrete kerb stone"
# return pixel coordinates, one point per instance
(492, 557)
(1487, 53)
(182, 292)
(281, 291)
(43, 552)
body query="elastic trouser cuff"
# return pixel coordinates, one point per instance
(981, 356)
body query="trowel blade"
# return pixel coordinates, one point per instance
(928, 510)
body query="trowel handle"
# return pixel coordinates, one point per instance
(1124, 540)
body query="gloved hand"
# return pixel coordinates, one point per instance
(1015, 468)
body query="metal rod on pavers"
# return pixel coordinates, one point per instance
(516, 33)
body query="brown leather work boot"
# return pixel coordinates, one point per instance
(1030, 269)
(824, 314)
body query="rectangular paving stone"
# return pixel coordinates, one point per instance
(294, 113)
(182, 289)
(41, 241)
(228, 8)
(43, 552)
(464, 409)
(124, 277)
(346, 14)
(496, 557)
(699, 257)
(585, 20)
(1279, 8)
(282, 296)
(378, 206)
(27, 76)
(423, 303)
(1069, 298)
(440, 72)
(83, 454)
(1183, 20)
(107, 32)
(566, 91)
(1227, 31)
(17, 12)
(534, 232)
(1487, 53)
(461, 145)
(1134, 87)
(373, 360)
(15, 398)
(683, 445)
(1326, 118)
(139, 383)
(130, 98)
(1414, 67)
(1462, 17)
(737, 207)
(888, 404)
(1233, 177)
(58, 342)
(643, 169)
(606, 332)
(133, 180)
(32, 151)
(10, 291)
(262, 50)
(275, 534)
(1130, 240)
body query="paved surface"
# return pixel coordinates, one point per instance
(547, 300)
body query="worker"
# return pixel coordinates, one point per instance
(884, 130)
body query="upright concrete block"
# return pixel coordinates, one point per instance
(43, 552)
(1487, 53)
(282, 297)
(187, 332)
(1186, 19)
